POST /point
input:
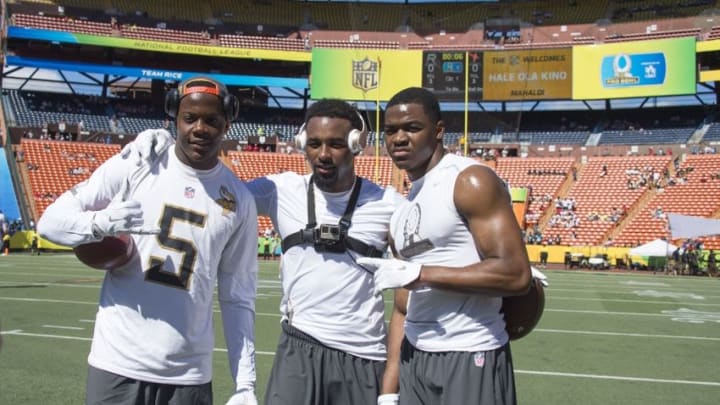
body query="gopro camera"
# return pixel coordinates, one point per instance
(329, 238)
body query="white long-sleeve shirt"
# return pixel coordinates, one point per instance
(155, 320)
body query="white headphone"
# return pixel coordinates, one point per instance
(356, 138)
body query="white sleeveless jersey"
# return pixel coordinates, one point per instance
(327, 295)
(155, 317)
(429, 230)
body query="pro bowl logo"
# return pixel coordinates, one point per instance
(365, 74)
(628, 70)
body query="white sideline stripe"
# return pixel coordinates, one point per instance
(619, 378)
(277, 315)
(19, 332)
(579, 311)
(631, 301)
(584, 332)
(63, 327)
(63, 275)
(218, 349)
(546, 373)
(95, 286)
(48, 300)
(631, 291)
(90, 303)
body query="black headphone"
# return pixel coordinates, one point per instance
(231, 104)
(356, 138)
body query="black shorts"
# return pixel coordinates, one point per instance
(452, 378)
(104, 387)
(306, 372)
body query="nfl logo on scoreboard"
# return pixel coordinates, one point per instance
(365, 74)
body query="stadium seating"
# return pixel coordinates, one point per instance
(62, 24)
(49, 164)
(650, 136)
(526, 173)
(595, 192)
(29, 111)
(696, 197)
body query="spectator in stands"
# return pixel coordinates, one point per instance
(462, 251)
(332, 349)
(153, 340)
(113, 125)
(63, 130)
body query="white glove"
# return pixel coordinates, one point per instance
(148, 145)
(243, 396)
(120, 217)
(388, 399)
(391, 273)
(540, 276)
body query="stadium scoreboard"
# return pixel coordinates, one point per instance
(443, 73)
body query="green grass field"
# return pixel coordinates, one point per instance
(605, 338)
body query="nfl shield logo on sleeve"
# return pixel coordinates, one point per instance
(479, 359)
(189, 192)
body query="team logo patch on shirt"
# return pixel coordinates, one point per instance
(226, 200)
(413, 245)
(479, 359)
(189, 192)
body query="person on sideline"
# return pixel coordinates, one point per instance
(154, 337)
(459, 250)
(332, 349)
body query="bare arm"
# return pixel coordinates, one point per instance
(482, 199)
(396, 333)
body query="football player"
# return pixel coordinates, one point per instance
(194, 225)
(459, 251)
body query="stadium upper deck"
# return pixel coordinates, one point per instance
(409, 25)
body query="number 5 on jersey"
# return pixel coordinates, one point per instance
(178, 278)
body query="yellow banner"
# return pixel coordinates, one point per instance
(193, 49)
(359, 74)
(660, 67)
(527, 75)
(707, 46)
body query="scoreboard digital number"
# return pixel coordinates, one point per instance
(444, 74)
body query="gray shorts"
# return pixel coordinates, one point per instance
(452, 378)
(305, 372)
(104, 388)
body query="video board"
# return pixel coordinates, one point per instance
(443, 73)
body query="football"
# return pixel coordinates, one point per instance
(108, 254)
(523, 312)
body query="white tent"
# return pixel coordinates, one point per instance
(656, 248)
(685, 226)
